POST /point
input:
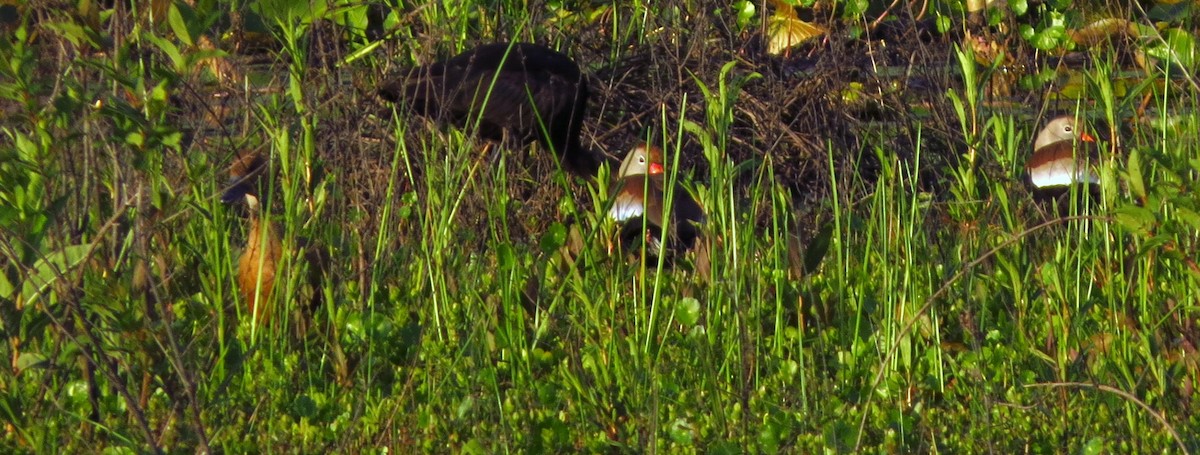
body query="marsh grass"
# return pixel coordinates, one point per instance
(470, 302)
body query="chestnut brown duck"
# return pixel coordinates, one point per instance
(523, 91)
(640, 198)
(258, 266)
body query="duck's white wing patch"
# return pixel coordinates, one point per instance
(1061, 173)
(626, 208)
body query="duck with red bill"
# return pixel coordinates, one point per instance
(640, 200)
(1064, 154)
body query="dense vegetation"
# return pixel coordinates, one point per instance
(874, 274)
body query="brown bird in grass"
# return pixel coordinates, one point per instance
(641, 194)
(525, 91)
(260, 261)
(1063, 155)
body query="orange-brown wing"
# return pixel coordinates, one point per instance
(636, 199)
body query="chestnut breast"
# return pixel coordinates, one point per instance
(1062, 164)
(1064, 154)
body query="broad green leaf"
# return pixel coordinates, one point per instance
(29, 360)
(352, 14)
(554, 238)
(817, 248)
(50, 267)
(1176, 47)
(687, 311)
(1134, 218)
(1018, 7)
(1094, 446)
(745, 12)
(178, 25)
(135, 139)
(1050, 38)
(1188, 216)
(943, 23)
(1134, 165)
(169, 48)
(505, 257)
(75, 33)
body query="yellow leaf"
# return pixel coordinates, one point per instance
(1101, 30)
(783, 31)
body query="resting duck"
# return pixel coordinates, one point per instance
(641, 194)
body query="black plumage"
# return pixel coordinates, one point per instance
(527, 91)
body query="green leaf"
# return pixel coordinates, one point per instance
(287, 10)
(304, 406)
(1050, 38)
(29, 360)
(474, 447)
(171, 138)
(1094, 446)
(51, 266)
(1027, 32)
(855, 8)
(135, 139)
(505, 257)
(1188, 216)
(75, 33)
(169, 48)
(745, 12)
(1018, 7)
(1134, 218)
(995, 16)
(464, 407)
(1177, 47)
(26, 148)
(352, 14)
(687, 311)
(178, 25)
(554, 238)
(943, 23)
(1134, 164)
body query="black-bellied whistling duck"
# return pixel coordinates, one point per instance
(1064, 154)
(528, 91)
(258, 265)
(641, 193)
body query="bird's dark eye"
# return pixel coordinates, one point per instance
(641, 160)
(1067, 128)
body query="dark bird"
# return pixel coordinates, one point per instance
(261, 259)
(1063, 155)
(526, 91)
(641, 194)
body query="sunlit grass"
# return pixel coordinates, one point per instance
(471, 304)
